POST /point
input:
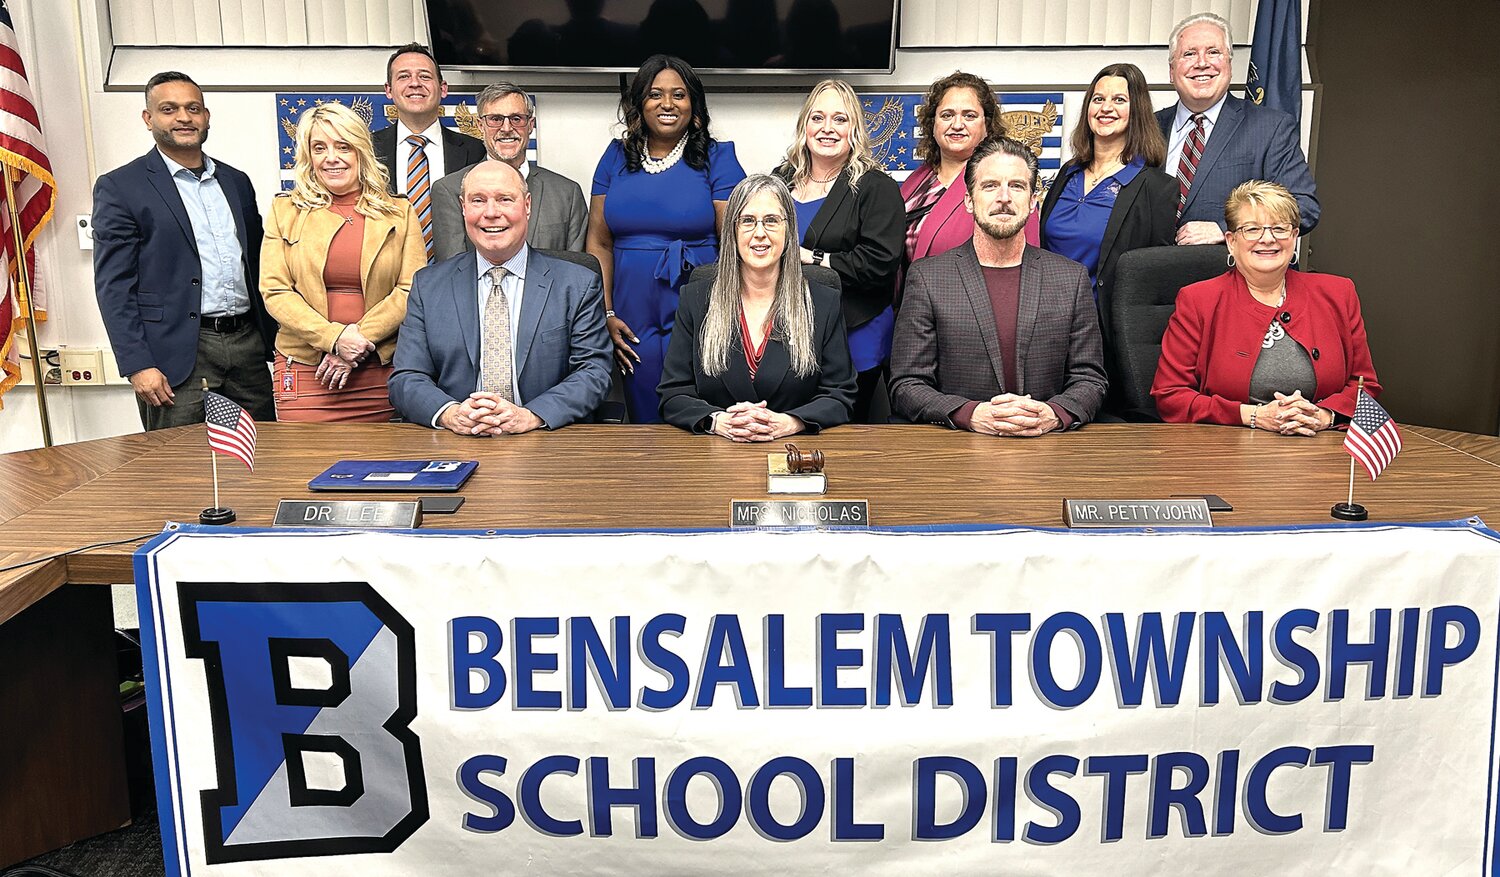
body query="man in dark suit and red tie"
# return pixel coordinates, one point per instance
(418, 151)
(1033, 361)
(176, 268)
(1215, 141)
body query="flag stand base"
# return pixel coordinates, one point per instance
(1344, 511)
(216, 517)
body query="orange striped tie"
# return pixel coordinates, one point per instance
(419, 188)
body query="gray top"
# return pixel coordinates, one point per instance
(1282, 367)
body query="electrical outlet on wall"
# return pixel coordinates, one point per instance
(85, 224)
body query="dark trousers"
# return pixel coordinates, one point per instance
(234, 364)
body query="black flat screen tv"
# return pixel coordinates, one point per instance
(715, 36)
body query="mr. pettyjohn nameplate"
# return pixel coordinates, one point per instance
(362, 513)
(799, 513)
(1106, 513)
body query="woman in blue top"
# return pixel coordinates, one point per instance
(850, 217)
(658, 202)
(1112, 196)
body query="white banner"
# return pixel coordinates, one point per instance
(1017, 702)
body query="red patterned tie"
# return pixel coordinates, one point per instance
(1192, 150)
(419, 187)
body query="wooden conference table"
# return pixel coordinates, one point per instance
(60, 771)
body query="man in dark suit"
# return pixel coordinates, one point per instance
(410, 148)
(995, 336)
(558, 211)
(176, 268)
(1235, 140)
(505, 339)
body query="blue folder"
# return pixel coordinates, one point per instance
(392, 476)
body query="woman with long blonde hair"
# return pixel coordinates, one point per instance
(335, 269)
(850, 218)
(758, 353)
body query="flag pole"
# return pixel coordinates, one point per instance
(23, 290)
(1351, 511)
(218, 515)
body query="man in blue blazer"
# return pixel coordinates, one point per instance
(176, 268)
(1241, 140)
(505, 339)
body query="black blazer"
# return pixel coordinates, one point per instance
(864, 232)
(1144, 215)
(823, 399)
(459, 151)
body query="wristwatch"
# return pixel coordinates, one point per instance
(820, 258)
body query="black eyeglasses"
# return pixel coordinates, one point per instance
(516, 120)
(1256, 232)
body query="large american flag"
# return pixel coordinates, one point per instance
(1372, 439)
(230, 429)
(23, 155)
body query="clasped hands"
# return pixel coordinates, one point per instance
(1009, 414)
(349, 351)
(1291, 415)
(488, 414)
(754, 422)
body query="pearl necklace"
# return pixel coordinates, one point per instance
(657, 165)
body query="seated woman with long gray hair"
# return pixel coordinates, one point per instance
(758, 353)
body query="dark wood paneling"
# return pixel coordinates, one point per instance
(1409, 188)
(62, 768)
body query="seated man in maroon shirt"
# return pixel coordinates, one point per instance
(996, 336)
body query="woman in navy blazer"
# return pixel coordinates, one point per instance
(1112, 196)
(1261, 346)
(758, 353)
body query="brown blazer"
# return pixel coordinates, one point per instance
(292, 259)
(946, 351)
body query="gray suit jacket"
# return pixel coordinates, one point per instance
(946, 351)
(561, 349)
(1249, 142)
(558, 214)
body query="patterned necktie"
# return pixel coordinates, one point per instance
(1187, 166)
(419, 188)
(495, 376)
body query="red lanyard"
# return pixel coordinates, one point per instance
(752, 357)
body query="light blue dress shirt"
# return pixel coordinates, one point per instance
(225, 291)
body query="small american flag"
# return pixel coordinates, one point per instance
(230, 429)
(1372, 439)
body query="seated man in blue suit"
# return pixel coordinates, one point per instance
(1215, 142)
(502, 340)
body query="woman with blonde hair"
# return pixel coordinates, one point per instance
(849, 217)
(335, 269)
(1305, 334)
(758, 353)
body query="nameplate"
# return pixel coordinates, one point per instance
(1106, 513)
(376, 514)
(799, 513)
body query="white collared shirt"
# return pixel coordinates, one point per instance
(433, 149)
(1182, 126)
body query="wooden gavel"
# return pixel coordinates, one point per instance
(798, 463)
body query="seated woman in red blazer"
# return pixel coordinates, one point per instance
(1261, 346)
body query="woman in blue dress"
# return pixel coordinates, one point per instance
(658, 202)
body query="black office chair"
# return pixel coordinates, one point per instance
(814, 274)
(1135, 315)
(612, 409)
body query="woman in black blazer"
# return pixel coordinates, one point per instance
(1112, 196)
(850, 217)
(757, 353)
